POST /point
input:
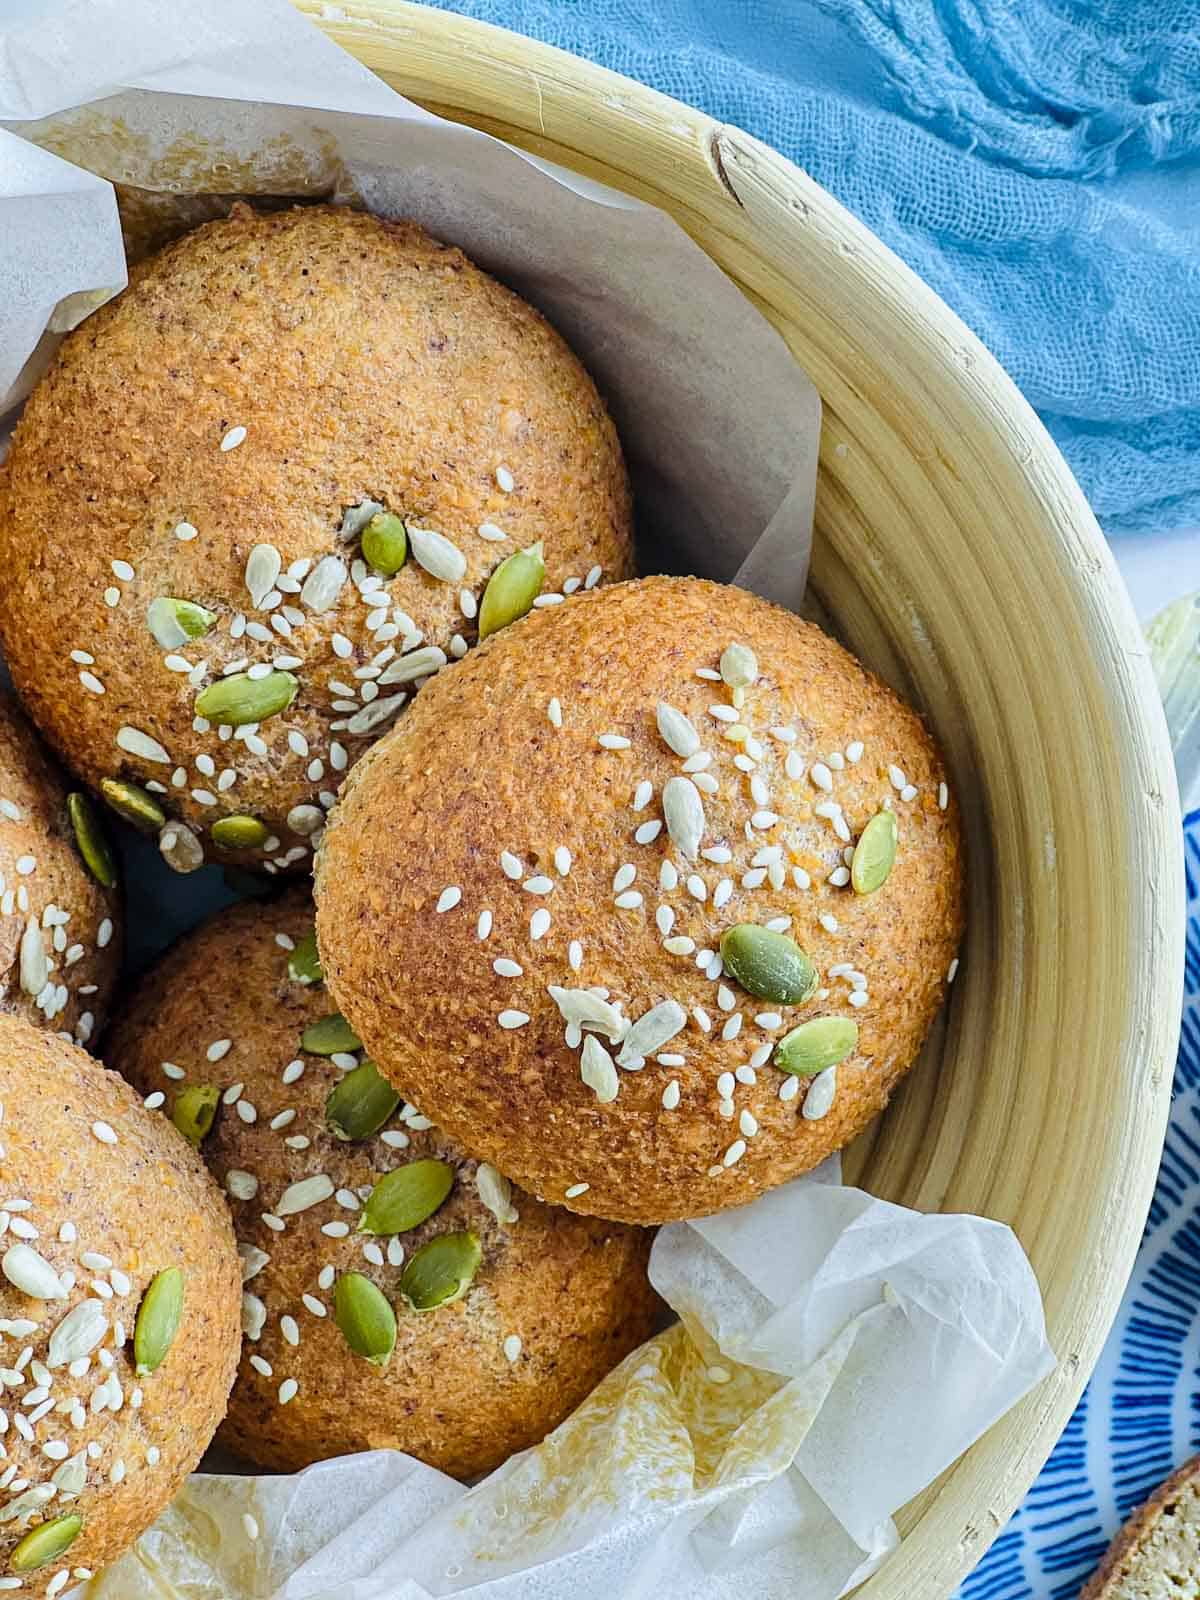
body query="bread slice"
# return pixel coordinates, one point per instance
(1156, 1555)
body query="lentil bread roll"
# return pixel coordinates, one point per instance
(198, 604)
(59, 909)
(560, 841)
(118, 1312)
(554, 1302)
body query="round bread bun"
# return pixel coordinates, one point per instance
(102, 1198)
(556, 1302)
(482, 823)
(215, 435)
(59, 946)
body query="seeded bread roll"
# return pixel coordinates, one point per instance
(185, 514)
(118, 1312)
(554, 1302)
(1156, 1555)
(560, 841)
(58, 907)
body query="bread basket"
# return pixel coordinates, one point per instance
(956, 554)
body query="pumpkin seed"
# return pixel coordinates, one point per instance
(360, 1104)
(239, 833)
(195, 1110)
(304, 962)
(768, 965)
(45, 1544)
(512, 589)
(89, 836)
(135, 804)
(241, 699)
(158, 1320)
(176, 622)
(406, 1196)
(441, 1271)
(365, 1317)
(815, 1045)
(875, 853)
(385, 542)
(330, 1036)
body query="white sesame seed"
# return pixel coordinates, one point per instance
(702, 1018)
(613, 741)
(112, 596)
(723, 713)
(538, 885)
(858, 997)
(504, 968)
(575, 955)
(512, 1019)
(185, 531)
(449, 898)
(839, 877)
(828, 921)
(504, 480)
(697, 887)
(623, 877)
(733, 1026)
(952, 970)
(896, 778)
(768, 1020)
(484, 926)
(562, 860)
(489, 530)
(835, 760)
(292, 1072)
(909, 792)
(821, 776)
(943, 796)
(629, 901)
(734, 1154)
(288, 1390)
(554, 712)
(679, 945)
(593, 577)
(104, 1133)
(512, 1347)
(723, 893)
(219, 1049)
(233, 438)
(511, 865)
(576, 1190)
(311, 1303)
(539, 923)
(335, 1230)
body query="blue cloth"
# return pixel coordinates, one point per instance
(1036, 161)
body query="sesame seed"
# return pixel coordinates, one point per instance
(112, 596)
(821, 776)
(593, 577)
(311, 1303)
(828, 921)
(839, 877)
(629, 901)
(288, 1390)
(702, 1018)
(768, 1020)
(725, 1085)
(539, 923)
(679, 945)
(575, 955)
(185, 531)
(449, 898)
(511, 865)
(697, 887)
(371, 1253)
(734, 1154)
(726, 998)
(779, 924)
(623, 877)
(858, 997)
(835, 760)
(395, 1253)
(335, 1230)
(249, 1525)
(723, 893)
(104, 1133)
(26, 865)
(896, 777)
(854, 751)
(562, 860)
(484, 926)
(733, 1026)
(513, 1019)
(943, 796)
(91, 682)
(219, 1049)
(153, 1101)
(576, 1190)
(504, 968)
(723, 713)
(292, 1072)
(489, 530)
(952, 970)
(538, 885)
(670, 1095)
(512, 1347)
(909, 792)
(613, 741)
(504, 480)
(233, 438)
(706, 781)
(276, 1224)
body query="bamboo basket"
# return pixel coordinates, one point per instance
(958, 557)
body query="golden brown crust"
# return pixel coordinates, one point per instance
(364, 360)
(573, 1290)
(43, 880)
(1134, 1543)
(477, 768)
(144, 1203)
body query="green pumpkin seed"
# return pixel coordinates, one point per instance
(90, 837)
(158, 1320)
(406, 1197)
(365, 1317)
(875, 853)
(330, 1036)
(360, 1104)
(174, 622)
(237, 700)
(815, 1045)
(239, 833)
(45, 1544)
(304, 962)
(766, 964)
(195, 1110)
(135, 804)
(385, 542)
(440, 1271)
(512, 589)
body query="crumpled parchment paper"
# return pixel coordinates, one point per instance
(834, 1352)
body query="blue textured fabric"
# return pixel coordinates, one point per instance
(1036, 161)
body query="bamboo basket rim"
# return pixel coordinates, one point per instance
(512, 86)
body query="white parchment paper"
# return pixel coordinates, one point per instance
(834, 1352)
